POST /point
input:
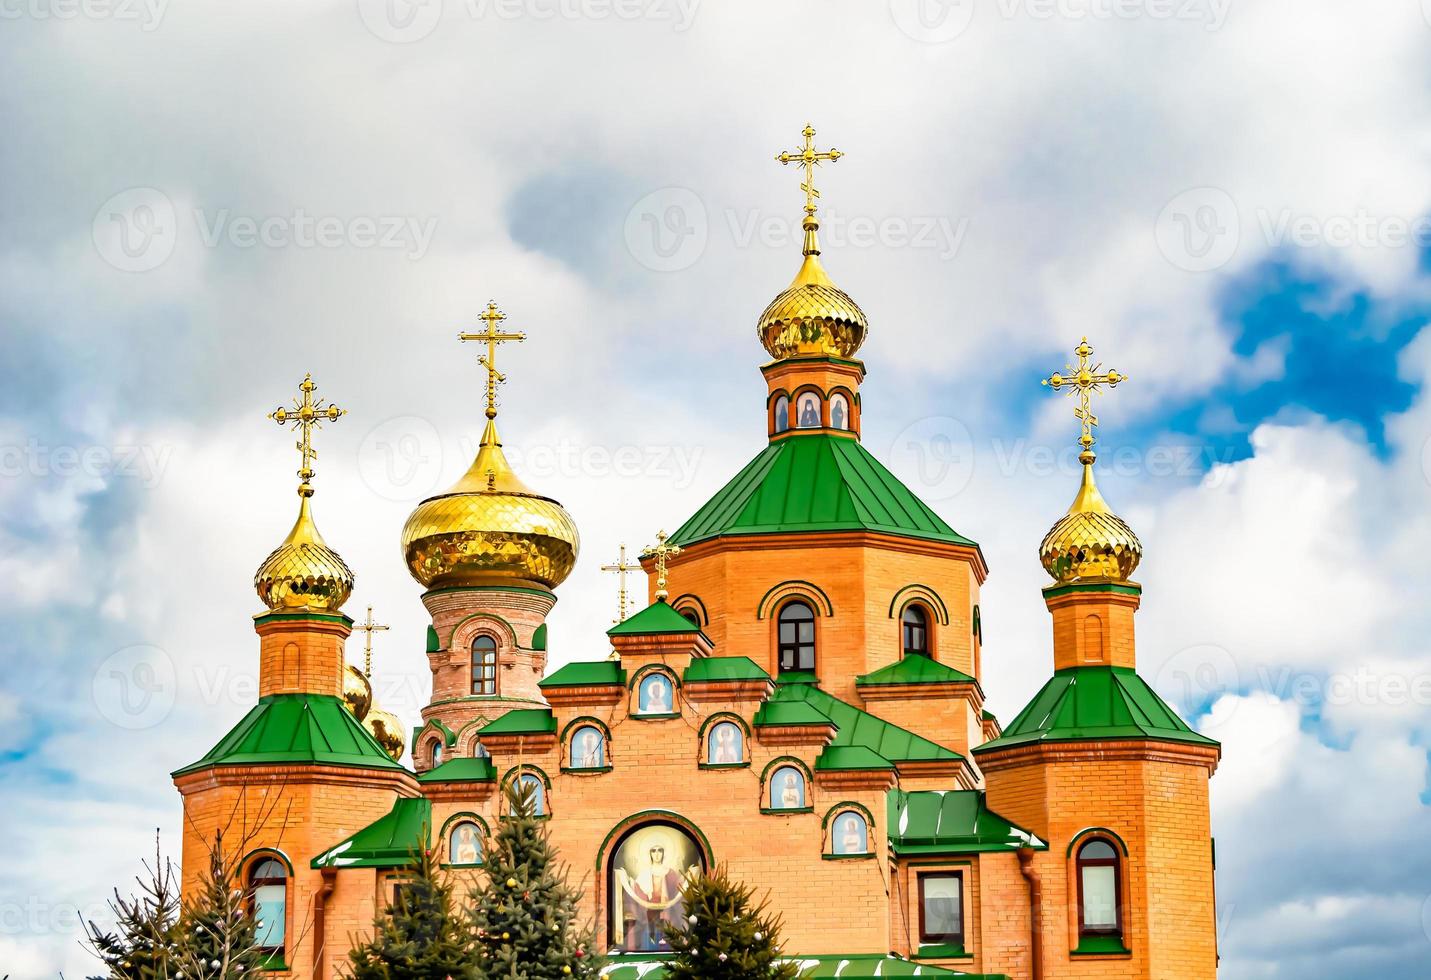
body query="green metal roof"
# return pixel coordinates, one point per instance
(522, 721)
(586, 674)
(853, 728)
(849, 757)
(1094, 703)
(914, 668)
(790, 713)
(465, 769)
(656, 618)
(724, 669)
(297, 728)
(954, 822)
(391, 841)
(855, 966)
(815, 482)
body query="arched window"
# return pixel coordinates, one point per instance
(531, 782)
(782, 414)
(647, 871)
(915, 627)
(797, 637)
(656, 695)
(588, 748)
(691, 614)
(479, 751)
(725, 744)
(839, 412)
(787, 789)
(268, 886)
(807, 415)
(1099, 907)
(436, 755)
(484, 665)
(464, 843)
(851, 835)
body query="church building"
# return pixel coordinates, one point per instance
(801, 699)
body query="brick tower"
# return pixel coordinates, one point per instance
(1101, 769)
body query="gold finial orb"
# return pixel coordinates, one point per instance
(386, 729)
(1090, 542)
(490, 528)
(812, 317)
(357, 692)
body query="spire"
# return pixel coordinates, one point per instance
(303, 572)
(1090, 541)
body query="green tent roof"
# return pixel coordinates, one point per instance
(853, 727)
(297, 728)
(855, 966)
(522, 721)
(586, 674)
(656, 618)
(724, 669)
(391, 841)
(914, 668)
(815, 482)
(954, 822)
(1094, 703)
(464, 769)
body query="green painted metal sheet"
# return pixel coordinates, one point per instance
(522, 721)
(724, 669)
(914, 668)
(586, 674)
(953, 822)
(656, 618)
(391, 841)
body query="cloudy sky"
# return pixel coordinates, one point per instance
(201, 201)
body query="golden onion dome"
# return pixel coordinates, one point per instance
(490, 529)
(813, 317)
(357, 692)
(303, 572)
(385, 727)
(1090, 541)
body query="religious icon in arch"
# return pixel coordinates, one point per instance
(649, 870)
(655, 696)
(809, 414)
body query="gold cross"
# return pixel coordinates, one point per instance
(809, 158)
(492, 337)
(661, 551)
(308, 413)
(369, 627)
(621, 567)
(1084, 381)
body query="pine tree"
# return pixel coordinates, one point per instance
(726, 935)
(420, 936)
(219, 932)
(525, 913)
(145, 943)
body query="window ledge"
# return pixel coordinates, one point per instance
(786, 811)
(725, 765)
(655, 717)
(585, 770)
(941, 951)
(868, 855)
(1111, 946)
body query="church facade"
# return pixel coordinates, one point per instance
(800, 699)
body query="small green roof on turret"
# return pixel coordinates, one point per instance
(657, 618)
(816, 482)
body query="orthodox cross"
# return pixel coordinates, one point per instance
(660, 551)
(621, 568)
(1083, 381)
(308, 413)
(369, 627)
(809, 158)
(492, 337)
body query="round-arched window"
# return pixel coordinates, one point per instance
(851, 834)
(464, 843)
(530, 782)
(268, 888)
(484, 665)
(1099, 905)
(725, 744)
(588, 748)
(787, 789)
(839, 411)
(915, 627)
(797, 637)
(782, 413)
(647, 872)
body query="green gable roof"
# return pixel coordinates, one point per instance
(391, 841)
(522, 721)
(585, 674)
(1093, 703)
(297, 728)
(724, 669)
(914, 668)
(464, 769)
(848, 757)
(815, 482)
(853, 728)
(955, 822)
(855, 966)
(790, 713)
(658, 617)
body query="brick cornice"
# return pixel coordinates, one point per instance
(1106, 750)
(829, 539)
(820, 735)
(848, 779)
(400, 781)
